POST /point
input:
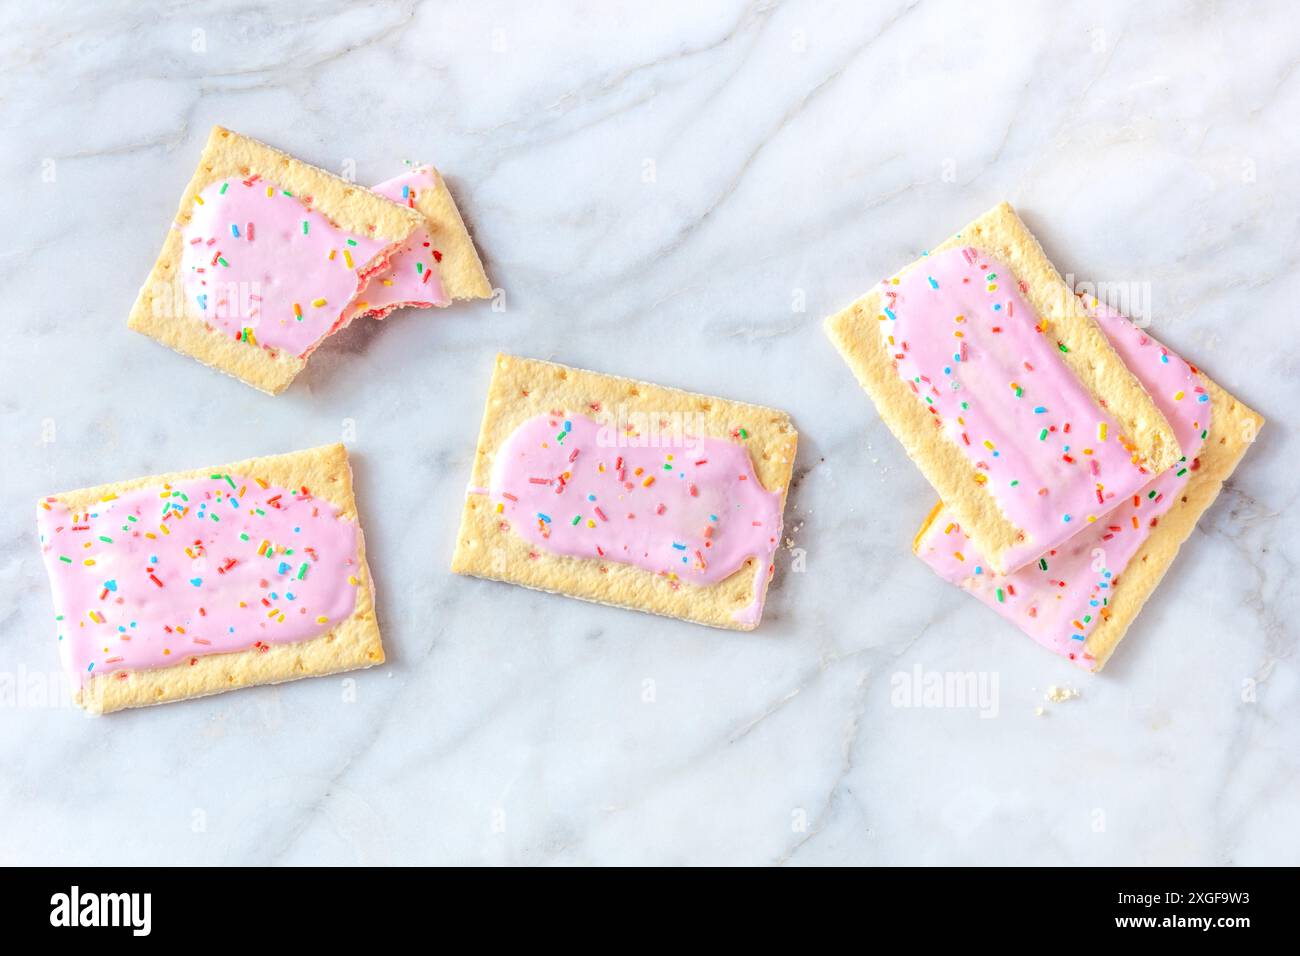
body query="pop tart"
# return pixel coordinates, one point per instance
(197, 582)
(625, 493)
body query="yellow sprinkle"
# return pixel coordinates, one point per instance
(318, 302)
(980, 479)
(959, 318)
(1091, 518)
(352, 580)
(273, 612)
(386, 281)
(650, 480)
(90, 562)
(1178, 396)
(332, 254)
(199, 200)
(951, 525)
(1101, 431)
(270, 191)
(347, 257)
(163, 529)
(959, 556)
(988, 444)
(500, 507)
(590, 523)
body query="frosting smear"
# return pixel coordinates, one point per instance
(266, 268)
(692, 509)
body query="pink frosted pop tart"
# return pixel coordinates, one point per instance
(1079, 598)
(625, 493)
(263, 260)
(198, 582)
(435, 264)
(1004, 391)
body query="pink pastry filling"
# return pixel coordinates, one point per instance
(975, 352)
(694, 511)
(1059, 599)
(412, 278)
(164, 574)
(269, 270)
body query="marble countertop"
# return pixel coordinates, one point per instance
(680, 195)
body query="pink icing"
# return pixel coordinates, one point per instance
(1059, 599)
(251, 269)
(167, 573)
(412, 279)
(975, 352)
(694, 511)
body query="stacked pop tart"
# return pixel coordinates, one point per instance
(1072, 452)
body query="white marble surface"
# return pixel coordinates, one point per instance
(679, 193)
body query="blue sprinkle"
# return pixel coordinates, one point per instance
(196, 581)
(933, 284)
(1065, 517)
(890, 313)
